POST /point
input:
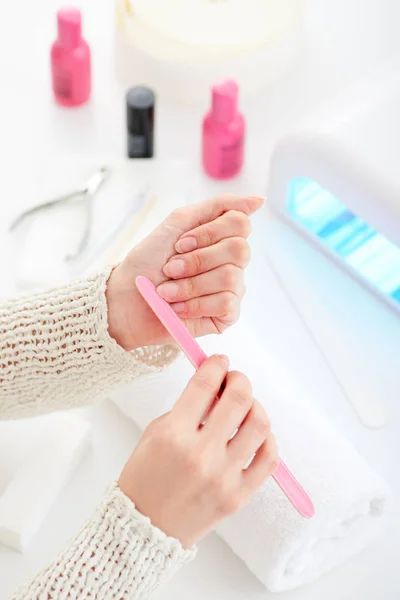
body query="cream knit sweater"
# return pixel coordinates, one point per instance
(55, 352)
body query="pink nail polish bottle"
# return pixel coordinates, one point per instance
(70, 60)
(223, 133)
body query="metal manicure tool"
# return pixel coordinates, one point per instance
(83, 195)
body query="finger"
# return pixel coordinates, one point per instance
(227, 278)
(263, 464)
(233, 251)
(231, 224)
(229, 412)
(224, 306)
(250, 435)
(191, 216)
(219, 205)
(201, 390)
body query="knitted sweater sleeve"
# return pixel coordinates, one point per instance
(118, 555)
(56, 353)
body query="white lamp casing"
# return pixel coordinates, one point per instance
(351, 149)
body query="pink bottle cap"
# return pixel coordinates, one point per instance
(224, 101)
(69, 27)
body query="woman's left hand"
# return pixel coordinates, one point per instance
(196, 258)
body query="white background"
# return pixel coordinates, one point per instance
(346, 39)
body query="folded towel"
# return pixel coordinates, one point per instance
(37, 458)
(280, 547)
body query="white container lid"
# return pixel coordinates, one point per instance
(180, 48)
(215, 25)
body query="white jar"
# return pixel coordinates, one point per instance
(181, 47)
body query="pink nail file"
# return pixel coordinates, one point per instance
(282, 475)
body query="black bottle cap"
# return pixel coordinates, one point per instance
(140, 110)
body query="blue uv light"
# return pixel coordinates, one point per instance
(366, 251)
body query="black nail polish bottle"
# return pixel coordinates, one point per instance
(140, 103)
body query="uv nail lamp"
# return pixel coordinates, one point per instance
(336, 181)
(343, 209)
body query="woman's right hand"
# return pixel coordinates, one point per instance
(185, 475)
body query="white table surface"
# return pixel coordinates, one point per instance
(348, 37)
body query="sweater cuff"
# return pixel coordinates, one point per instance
(58, 353)
(136, 535)
(117, 554)
(123, 550)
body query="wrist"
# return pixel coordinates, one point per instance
(173, 528)
(119, 308)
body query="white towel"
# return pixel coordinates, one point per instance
(280, 547)
(37, 458)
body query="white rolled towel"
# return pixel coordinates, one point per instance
(280, 547)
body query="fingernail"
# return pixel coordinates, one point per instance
(258, 199)
(225, 359)
(168, 290)
(179, 307)
(186, 244)
(175, 268)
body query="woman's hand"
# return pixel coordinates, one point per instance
(196, 257)
(186, 475)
